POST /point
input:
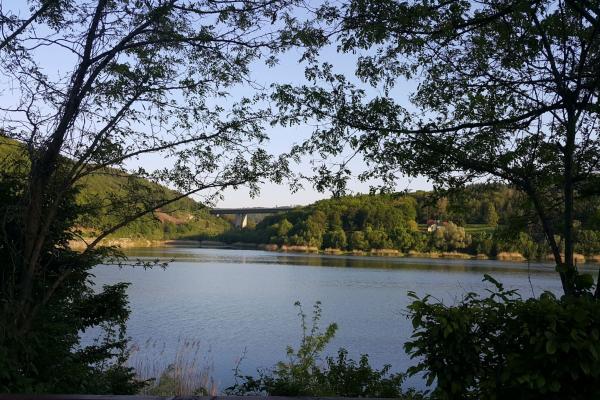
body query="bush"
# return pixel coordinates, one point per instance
(588, 242)
(482, 243)
(502, 346)
(344, 377)
(301, 374)
(40, 346)
(450, 237)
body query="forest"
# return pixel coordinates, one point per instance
(480, 219)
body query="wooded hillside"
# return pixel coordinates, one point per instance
(183, 219)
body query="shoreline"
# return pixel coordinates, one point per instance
(127, 243)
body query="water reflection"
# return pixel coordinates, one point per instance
(316, 260)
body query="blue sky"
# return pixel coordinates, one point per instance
(281, 139)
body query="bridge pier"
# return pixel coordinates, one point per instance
(241, 221)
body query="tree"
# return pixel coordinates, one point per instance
(450, 237)
(441, 208)
(358, 241)
(408, 207)
(507, 91)
(133, 79)
(335, 239)
(283, 227)
(588, 242)
(490, 216)
(377, 238)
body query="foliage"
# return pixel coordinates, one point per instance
(301, 374)
(366, 222)
(45, 355)
(501, 346)
(505, 91)
(354, 222)
(450, 237)
(471, 204)
(490, 216)
(335, 239)
(483, 243)
(588, 242)
(182, 219)
(134, 79)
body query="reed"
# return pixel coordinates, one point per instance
(331, 250)
(594, 258)
(578, 258)
(385, 252)
(454, 254)
(510, 256)
(299, 249)
(188, 374)
(431, 254)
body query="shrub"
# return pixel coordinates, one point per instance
(501, 346)
(482, 243)
(301, 374)
(40, 344)
(450, 238)
(588, 242)
(358, 241)
(347, 378)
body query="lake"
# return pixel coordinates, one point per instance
(222, 304)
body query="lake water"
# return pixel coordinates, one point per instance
(222, 304)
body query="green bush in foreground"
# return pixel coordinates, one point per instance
(41, 350)
(301, 374)
(502, 347)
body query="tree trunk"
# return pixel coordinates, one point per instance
(569, 265)
(41, 206)
(549, 233)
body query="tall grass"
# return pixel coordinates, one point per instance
(188, 374)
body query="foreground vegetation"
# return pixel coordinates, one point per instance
(132, 80)
(502, 346)
(306, 373)
(483, 347)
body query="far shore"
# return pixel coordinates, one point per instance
(127, 243)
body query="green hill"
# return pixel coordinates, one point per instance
(483, 219)
(109, 195)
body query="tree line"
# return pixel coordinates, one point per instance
(478, 219)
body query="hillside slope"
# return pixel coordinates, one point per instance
(109, 195)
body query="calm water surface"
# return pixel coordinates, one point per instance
(236, 301)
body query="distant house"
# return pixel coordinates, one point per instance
(434, 224)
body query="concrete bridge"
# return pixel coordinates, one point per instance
(241, 214)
